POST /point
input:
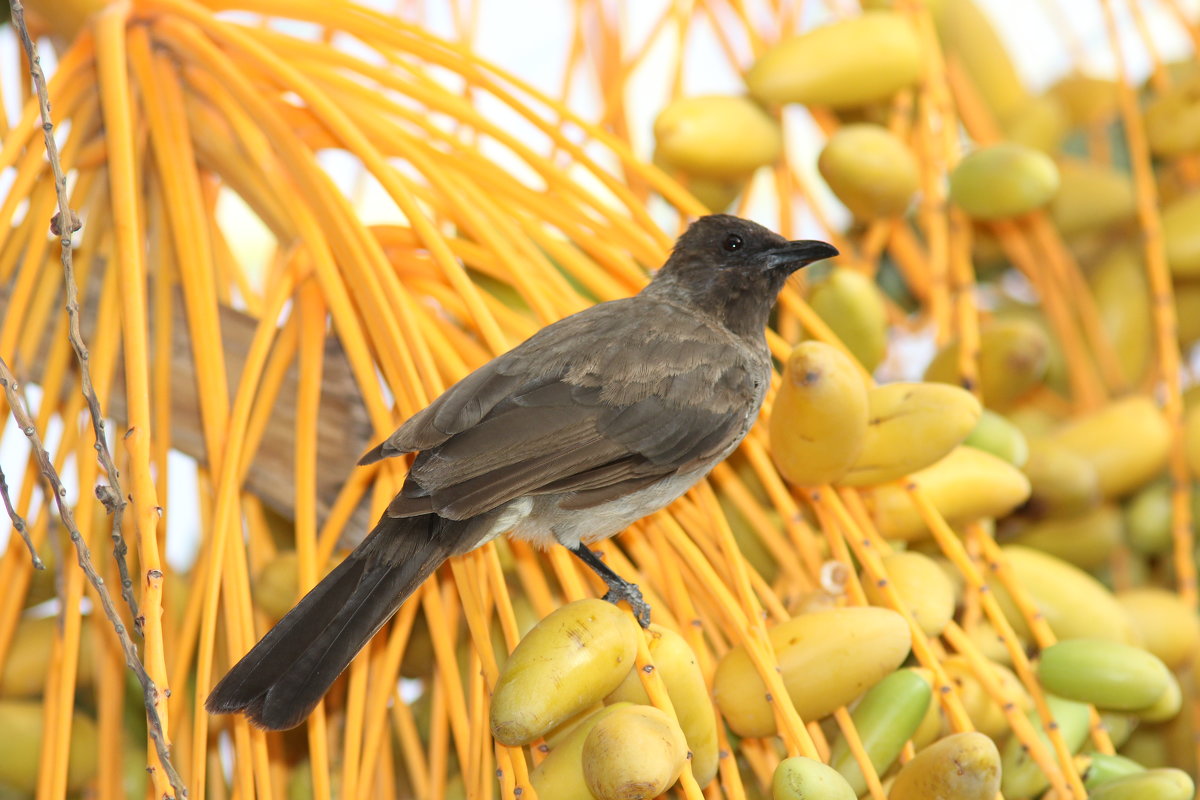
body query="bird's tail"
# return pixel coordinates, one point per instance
(283, 677)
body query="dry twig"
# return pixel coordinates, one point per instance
(18, 522)
(111, 496)
(117, 505)
(21, 413)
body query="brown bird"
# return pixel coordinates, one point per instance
(591, 424)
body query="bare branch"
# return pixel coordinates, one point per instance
(58, 492)
(18, 522)
(120, 549)
(112, 497)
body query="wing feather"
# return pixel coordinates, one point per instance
(548, 417)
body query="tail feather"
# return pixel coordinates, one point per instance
(283, 677)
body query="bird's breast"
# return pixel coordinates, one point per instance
(548, 523)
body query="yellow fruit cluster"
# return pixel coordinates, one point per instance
(1039, 438)
(606, 739)
(716, 142)
(997, 497)
(1055, 491)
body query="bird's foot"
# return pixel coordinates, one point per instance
(630, 593)
(618, 588)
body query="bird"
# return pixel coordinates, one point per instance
(595, 421)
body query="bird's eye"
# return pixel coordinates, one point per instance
(732, 242)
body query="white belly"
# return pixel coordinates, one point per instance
(546, 523)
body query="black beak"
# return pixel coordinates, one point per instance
(794, 255)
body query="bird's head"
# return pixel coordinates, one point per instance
(734, 269)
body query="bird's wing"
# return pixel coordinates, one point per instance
(653, 391)
(458, 408)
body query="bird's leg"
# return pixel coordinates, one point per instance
(618, 588)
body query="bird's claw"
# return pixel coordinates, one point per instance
(631, 594)
(618, 588)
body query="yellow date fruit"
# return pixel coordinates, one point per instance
(1169, 627)
(800, 778)
(1148, 519)
(1153, 784)
(1074, 604)
(848, 63)
(1127, 442)
(1181, 235)
(1173, 120)
(23, 721)
(717, 136)
(1187, 313)
(826, 659)
(1063, 483)
(819, 420)
(968, 34)
(1040, 122)
(870, 170)
(1168, 704)
(966, 485)
(676, 662)
(1122, 296)
(1003, 181)
(962, 766)
(852, 305)
(986, 714)
(1191, 438)
(563, 731)
(1091, 197)
(560, 775)
(1014, 354)
(569, 661)
(923, 586)
(1088, 100)
(24, 671)
(635, 753)
(909, 427)
(1086, 540)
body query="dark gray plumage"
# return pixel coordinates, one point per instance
(592, 423)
